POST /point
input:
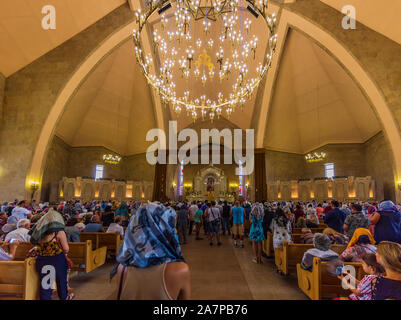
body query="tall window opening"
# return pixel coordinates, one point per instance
(99, 172)
(329, 170)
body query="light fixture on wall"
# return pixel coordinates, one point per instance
(109, 158)
(399, 185)
(315, 157)
(33, 186)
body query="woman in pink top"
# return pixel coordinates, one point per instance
(319, 210)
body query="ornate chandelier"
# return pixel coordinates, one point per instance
(109, 158)
(205, 60)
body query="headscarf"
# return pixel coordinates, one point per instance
(388, 206)
(371, 210)
(360, 232)
(258, 211)
(150, 239)
(280, 218)
(52, 221)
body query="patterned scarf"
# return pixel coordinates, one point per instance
(52, 221)
(150, 239)
(258, 211)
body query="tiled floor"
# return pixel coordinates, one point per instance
(221, 272)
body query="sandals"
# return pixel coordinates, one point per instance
(71, 296)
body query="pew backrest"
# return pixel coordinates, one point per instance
(111, 240)
(320, 284)
(19, 280)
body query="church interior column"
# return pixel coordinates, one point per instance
(260, 175)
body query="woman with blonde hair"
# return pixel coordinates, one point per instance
(389, 286)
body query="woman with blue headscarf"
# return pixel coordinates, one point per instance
(387, 221)
(150, 264)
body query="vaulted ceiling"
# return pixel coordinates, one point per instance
(315, 101)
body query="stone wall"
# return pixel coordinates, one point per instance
(2, 87)
(71, 162)
(379, 166)
(137, 168)
(83, 161)
(284, 166)
(348, 159)
(56, 167)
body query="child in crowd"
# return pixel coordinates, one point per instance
(363, 291)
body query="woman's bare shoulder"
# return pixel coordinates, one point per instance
(177, 268)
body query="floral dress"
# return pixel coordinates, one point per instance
(256, 233)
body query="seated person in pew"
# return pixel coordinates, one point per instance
(362, 242)
(150, 264)
(307, 236)
(301, 223)
(335, 237)
(363, 289)
(3, 219)
(8, 227)
(52, 254)
(8, 249)
(116, 226)
(281, 228)
(388, 286)
(321, 250)
(21, 233)
(95, 225)
(72, 231)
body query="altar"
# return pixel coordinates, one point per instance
(210, 183)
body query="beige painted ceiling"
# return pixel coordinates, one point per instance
(382, 16)
(113, 108)
(22, 39)
(315, 101)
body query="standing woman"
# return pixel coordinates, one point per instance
(387, 221)
(52, 248)
(256, 234)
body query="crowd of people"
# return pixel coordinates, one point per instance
(156, 232)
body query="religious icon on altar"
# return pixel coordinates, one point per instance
(210, 185)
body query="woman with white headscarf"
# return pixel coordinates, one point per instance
(256, 234)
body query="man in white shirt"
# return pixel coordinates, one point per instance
(20, 212)
(192, 214)
(116, 226)
(21, 233)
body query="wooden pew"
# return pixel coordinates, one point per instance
(319, 284)
(287, 257)
(19, 280)
(314, 230)
(110, 240)
(80, 253)
(267, 245)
